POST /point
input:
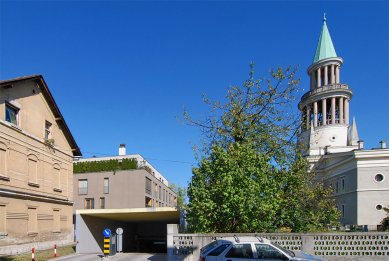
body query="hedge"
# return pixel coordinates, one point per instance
(106, 165)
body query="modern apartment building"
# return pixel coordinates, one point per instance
(138, 187)
(125, 192)
(36, 167)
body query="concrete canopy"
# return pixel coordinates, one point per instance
(170, 215)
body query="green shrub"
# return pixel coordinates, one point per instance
(105, 165)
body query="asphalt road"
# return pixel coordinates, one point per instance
(117, 257)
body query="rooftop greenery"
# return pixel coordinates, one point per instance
(105, 165)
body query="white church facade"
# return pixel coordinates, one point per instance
(359, 177)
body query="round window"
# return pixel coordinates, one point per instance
(379, 177)
(378, 207)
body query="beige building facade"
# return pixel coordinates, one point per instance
(36, 168)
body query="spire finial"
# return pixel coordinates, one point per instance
(324, 17)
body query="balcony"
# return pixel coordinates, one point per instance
(330, 87)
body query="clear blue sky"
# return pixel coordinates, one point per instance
(121, 71)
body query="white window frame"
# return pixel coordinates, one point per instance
(85, 188)
(16, 109)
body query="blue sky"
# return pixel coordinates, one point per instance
(122, 71)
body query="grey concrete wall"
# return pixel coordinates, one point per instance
(171, 230)
(89, 233)
(332, 246)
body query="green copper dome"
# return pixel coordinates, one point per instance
(325, 47)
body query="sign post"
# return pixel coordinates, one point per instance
(107, 236)
(119, 241)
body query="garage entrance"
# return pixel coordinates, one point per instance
(144, 229)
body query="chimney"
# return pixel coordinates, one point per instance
(361, 143)
(383, 144)
(122, 149)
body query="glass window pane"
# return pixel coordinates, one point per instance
(106, 185)
(268, 252)
(217, 251)
(82, 186)
(102, 202)
(148, 186)
(208, 247)
(240, 251)
(89, 203)
(11, 114)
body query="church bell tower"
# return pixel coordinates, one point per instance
(325, 107)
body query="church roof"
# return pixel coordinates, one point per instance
(325, 48)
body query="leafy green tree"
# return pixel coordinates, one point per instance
(225, 195)
(259, 112)
(385, 220)
(305, 205)
(181, 193)
(250, 177)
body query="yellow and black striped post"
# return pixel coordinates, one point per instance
(107, 243)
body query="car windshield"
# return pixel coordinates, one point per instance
(289, 252)
(208, 247)
(218, 250)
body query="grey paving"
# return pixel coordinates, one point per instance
(117, 257)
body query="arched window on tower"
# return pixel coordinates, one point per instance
(337, 110)
(311, 117)
(328, 111)
(319, 114)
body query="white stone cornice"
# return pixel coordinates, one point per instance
(327, 61)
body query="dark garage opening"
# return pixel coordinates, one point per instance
(145, 237)
(144, 230)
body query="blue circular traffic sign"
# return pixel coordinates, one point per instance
(107, 232)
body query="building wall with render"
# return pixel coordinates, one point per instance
(127, 189)
(352, 177)
(36, 185)
(372, 193)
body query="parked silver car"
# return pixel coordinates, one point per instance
(250, 248)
